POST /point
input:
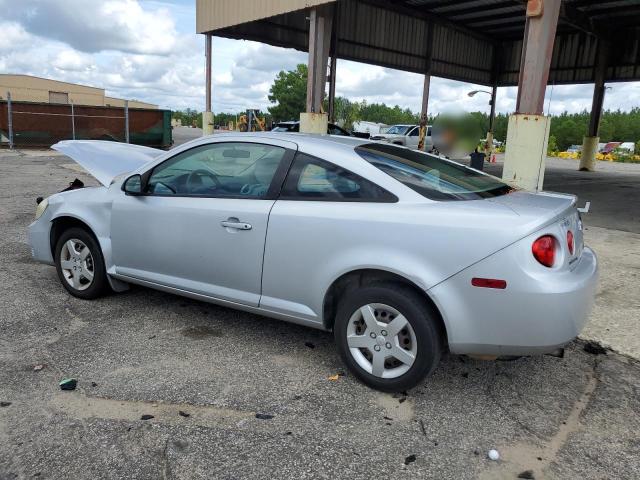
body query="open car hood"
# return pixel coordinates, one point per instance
(105, 160)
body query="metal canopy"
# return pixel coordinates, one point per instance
(477, 41)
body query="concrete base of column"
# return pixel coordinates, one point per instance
(588, 157)
(526, 151)
(314, 123)
(207, 123)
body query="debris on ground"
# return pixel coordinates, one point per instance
(146, 417)
(476, 452)
(38, 367)
(5, 404)
(264, 416)
(183, 414)
(68, 384)
(309, 345)
(422, 427)
(528, 474)
(594, 348)
(493, 454)
(333, 378)
(410, 459)
(94, 384)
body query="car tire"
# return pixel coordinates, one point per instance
(80, 265)
(409, 355)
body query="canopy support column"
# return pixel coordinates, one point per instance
(320, 24)
(528, 131)
(207, 115)
(590, 142)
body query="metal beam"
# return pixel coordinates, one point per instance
(537, 50)
(492, 114)
(332, 89)
(207, 53)
(320, 23)
(425, 95)
(602, 62)
(487, 9)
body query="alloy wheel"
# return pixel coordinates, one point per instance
(381, 340)
(77, 264)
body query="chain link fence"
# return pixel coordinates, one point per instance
(38, 125)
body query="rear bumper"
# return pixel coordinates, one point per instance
(537, 313)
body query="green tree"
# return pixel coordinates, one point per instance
(552, 146)
(289, 93)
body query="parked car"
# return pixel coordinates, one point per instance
(290, 127)
(402, 254)
(405, 135)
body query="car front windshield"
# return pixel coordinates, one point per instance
(285, 127)
(432, 177)
(398, 130)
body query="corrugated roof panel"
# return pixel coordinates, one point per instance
(395, 35)
(214, 14)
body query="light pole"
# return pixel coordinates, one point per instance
(492, 102)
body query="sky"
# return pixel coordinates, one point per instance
(148, 50)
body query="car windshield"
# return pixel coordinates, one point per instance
(285, 127)
(432, 177)
(398, 130)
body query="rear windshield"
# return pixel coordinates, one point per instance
(433, 177)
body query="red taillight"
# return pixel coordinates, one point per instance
(544, 249)
(488, 283)
(570, 243)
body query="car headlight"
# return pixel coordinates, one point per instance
(42, 206)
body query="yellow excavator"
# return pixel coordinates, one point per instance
(251, 122)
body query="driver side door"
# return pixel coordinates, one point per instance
(201, 222)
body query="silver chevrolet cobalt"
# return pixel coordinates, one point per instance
(403, 255)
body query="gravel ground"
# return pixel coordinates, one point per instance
(149, 353)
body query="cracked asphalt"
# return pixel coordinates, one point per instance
(203, 372)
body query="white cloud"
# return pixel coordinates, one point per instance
(73, 61)
(13, 36)
(121, 25)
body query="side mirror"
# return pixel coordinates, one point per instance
(133, 185)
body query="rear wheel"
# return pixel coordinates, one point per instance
(79, 264)
(388, 336)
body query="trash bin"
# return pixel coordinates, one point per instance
(477, 160)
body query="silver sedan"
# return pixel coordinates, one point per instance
(403, 255)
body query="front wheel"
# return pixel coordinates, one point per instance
(388, 336)
(80, 265)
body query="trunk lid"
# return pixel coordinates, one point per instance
(106, 160)
(549, 212)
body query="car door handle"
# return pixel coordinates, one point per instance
(235, 223)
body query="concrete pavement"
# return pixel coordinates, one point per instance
(149, 353)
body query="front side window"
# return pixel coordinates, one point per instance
(313, 179)
(415, 132)
(239, 170)
(432, 177)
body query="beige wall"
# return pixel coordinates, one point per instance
(119, 102)
(215, 14)
(25, 88)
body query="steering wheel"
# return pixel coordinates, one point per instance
(197, 174)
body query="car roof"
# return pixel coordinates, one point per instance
(304, 139)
